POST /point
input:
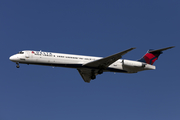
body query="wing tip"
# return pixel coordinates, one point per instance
(133, 48)
(172, 47)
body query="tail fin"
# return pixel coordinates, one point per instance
(152, 55)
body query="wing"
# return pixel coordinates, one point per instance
(90, 73)
(86, 74)
(105, 62)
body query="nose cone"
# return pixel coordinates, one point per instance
(13, 58)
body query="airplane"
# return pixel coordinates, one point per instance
(89, 66)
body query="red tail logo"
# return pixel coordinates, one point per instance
(150, 57)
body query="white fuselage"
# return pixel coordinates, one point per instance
(76, 61)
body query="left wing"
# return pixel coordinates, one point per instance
(105, 62)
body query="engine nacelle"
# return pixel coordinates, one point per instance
(130, 63)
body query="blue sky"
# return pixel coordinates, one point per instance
(97, 28)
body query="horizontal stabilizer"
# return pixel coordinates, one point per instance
(160, 50)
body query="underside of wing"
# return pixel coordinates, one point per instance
(105, 62)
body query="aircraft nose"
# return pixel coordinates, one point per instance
(13, 58)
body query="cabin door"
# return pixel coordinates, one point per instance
(27, 54)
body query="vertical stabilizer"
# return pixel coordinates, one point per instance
(152, 55)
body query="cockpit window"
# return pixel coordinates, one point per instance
(21, 52)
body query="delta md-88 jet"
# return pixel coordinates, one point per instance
(89, 66)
